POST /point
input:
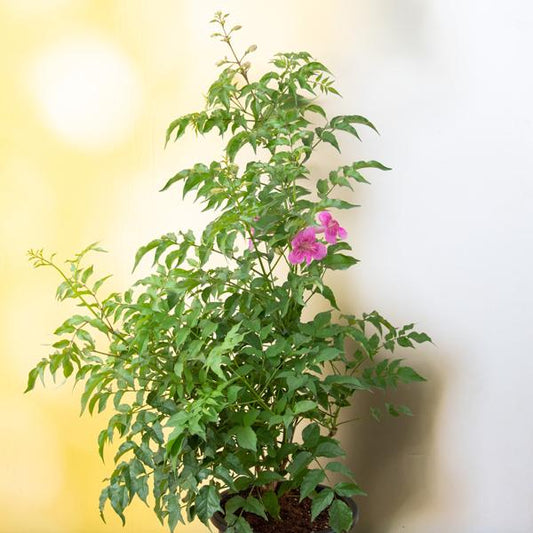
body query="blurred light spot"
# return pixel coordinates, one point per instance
(88, 92)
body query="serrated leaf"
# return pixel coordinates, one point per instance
(253, 505)
(340, 468)
(207, 502)
(329, 449)
(310, 481)
(299, 462)
(348, 489)
(419, 338)
(408, 375)
(340, 516)
(321, 501)
(328, 137)
(174, 513)
(242, 526)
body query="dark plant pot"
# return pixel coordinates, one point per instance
(220, 523)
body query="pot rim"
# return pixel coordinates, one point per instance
(219, 521)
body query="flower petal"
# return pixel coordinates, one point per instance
(295, 257)
(319, 251)
(331, 236)
(324, 217)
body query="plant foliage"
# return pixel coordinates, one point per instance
(207, 367)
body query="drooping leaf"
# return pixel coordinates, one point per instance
(321, 501)
(207, 503)
(340, 516)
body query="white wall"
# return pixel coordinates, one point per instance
(445, 240)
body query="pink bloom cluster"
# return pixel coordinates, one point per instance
(306, 247)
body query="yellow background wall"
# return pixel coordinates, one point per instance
(87, 90)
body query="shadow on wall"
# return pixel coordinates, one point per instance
(392, 459)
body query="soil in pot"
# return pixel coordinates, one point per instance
(295, 517)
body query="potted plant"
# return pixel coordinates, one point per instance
(207, 366)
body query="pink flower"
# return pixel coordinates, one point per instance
(250, 242)
(305, 247)
(330, 227)
(252, 233)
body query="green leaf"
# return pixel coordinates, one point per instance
(340, 468)
(321, 501)
(339, 261)
(143, 250)
(340, 516)
(234, 503)
(419, 338)
(271, 503)
(349, 381)
(329, 448)
(235, 144)
(182, 174)
(304, 406)
(32, 378)
(242, 526)
(316, 109)
(310, 481)
(348, 489)
(207, 503)
(322, 186)
(356, 119)
(118, 496)
(253, 505)
(102, 439)
(370, 164)
(87, 274)
(311, 436)
(327, 293)
(408, 375)
(246, 437)
(100, 282)
(299, 462)
(328, 137)
(174, 512)
(267, 476)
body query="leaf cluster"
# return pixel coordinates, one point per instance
(206, 365)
